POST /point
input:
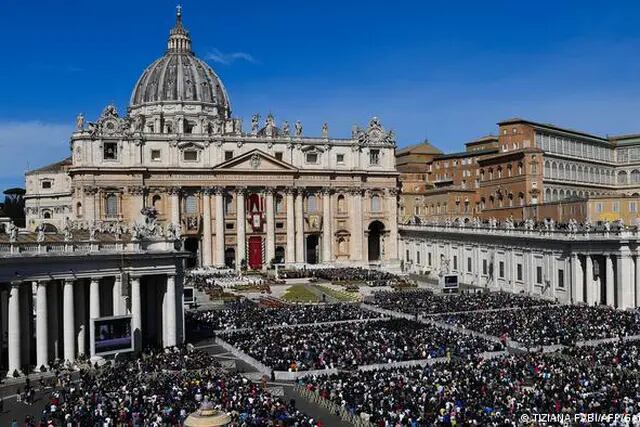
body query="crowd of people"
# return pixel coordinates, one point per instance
(562, 324)
(149, 391)
(348, 345)
(469, 391)
(344, 275)
(619, 354)
(424, 302)
(247, 314)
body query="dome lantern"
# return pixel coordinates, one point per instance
(179, 40)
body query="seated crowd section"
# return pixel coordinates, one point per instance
(348, 345)
(342, 275)
(161, 389)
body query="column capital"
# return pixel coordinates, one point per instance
(207, 191)
(71, 280)
(137, 190)
(240, 190)
(218, 190)
(174, 191)
(327, 191)
(356, 191)
(16, 283)
(269, 190)
(94, 279)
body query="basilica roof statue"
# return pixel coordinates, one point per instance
(180, 78)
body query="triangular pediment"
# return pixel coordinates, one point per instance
(255, 160)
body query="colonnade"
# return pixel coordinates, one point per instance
(64, 310)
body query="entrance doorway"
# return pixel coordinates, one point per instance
(255, 252)
(376, 229)
(313, 252)
(279, 255)
(191, 245)
(230, 258)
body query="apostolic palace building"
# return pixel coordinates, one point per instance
(264, 194)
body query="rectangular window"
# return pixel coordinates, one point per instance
(539, 275)
(374, 157)
(228, 155)
(155, 155)
(418, 257)
(229, 225)
(279, 225)
(633, 207)
(110, 151)
(501, 266)
(278, 155)
(599, 207)
(408, 257)
(616, 206)
(190, 155)
(519, 273)
(455, 263)
(312, 158)
(484, 267)
(561, 278)
(191, 205)
(46, 185)
(340, 159)
(429, 259)
(111, 206)
(469, 265)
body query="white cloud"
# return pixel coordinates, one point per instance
(220, 57)
(29, 145)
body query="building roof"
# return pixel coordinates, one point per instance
(483, 140)
(53, 167)
(420, 148)
(461, 154)
(552, 127)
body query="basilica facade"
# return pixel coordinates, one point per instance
(241, 197)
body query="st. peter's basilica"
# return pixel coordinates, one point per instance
(257, 196)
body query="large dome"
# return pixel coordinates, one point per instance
(180, 77)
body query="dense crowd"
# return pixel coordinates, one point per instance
(565, 324)
(424, 302)
(347, 345)
(619, 354)
(149, 392)
(346, 275)
(246, 314)
(479, 392)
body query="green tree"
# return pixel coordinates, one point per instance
(13, 206)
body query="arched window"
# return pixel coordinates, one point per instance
(375, 203)
(622, 177)
(520, 168)
(312, 203)
(279, 203)
(228, 204)
(342, 204)
(46, 215)
(554, 170)
(79, 210)
(191, 205)
(155, 201)
(547, 169)
(547, 195)
(111, 206)
(635, 176)
(521, 199)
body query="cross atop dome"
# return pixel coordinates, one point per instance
(179, 39)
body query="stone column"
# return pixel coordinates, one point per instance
(137, 194)
(392, 250)
(271, 231)
(299, 226)
(327, 226)
(171, 331)
(118, 303)
(624, 279)
(14, 361)
(81, 312)
(68, 323)
(136, 313)
(357, 231)
(219, 246)
(241, 234)
(577, 279)
(609, 281)
(590, 284)
(175, 205)
(291, 230)
(637, 281)
(42, 327)
(206, 227)
(94, 309)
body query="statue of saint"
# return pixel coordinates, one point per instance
(325, 130)
(298, 128)
(80, 122)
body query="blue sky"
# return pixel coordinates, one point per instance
(444, 70)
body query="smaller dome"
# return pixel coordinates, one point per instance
(179, 76)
